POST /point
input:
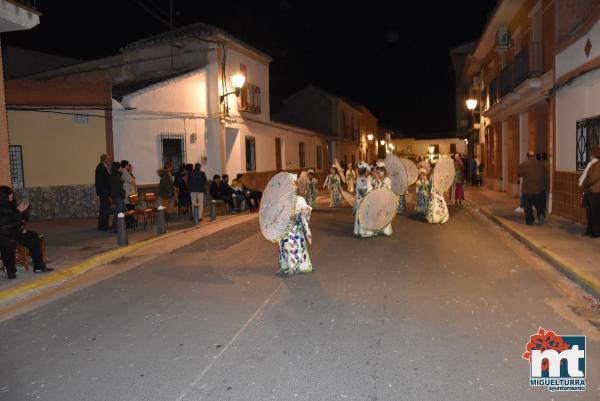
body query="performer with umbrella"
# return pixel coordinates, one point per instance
(334, 184)
(284, 218)
(396, 171)
(443, 176)
(382, 181)
(363, 187)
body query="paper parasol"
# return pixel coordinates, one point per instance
(277, 206)
(397, 172)
(377, 209)
(350, 198)
(340, 171)
(411, 171)
(443, 174)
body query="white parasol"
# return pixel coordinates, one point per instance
(350, 198)
(340, 171)
(397, 172)
(411, 171)
(277, 206)
(377, 209)
(443, 174)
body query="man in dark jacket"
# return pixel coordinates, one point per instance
(219, 191)
(102, 184)
(13, 233)
(197, 183)
(533, 188)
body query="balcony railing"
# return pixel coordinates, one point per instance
(27, 3)
(493, 92)
(529, 63)
(505, 84)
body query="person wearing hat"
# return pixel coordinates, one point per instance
(333, 183)
(311, 189)
(363, 187)
(533, 188)
(350, 178)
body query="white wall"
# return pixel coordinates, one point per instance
(421, 146)
(576, 101)
(176, 106)
(574, 55)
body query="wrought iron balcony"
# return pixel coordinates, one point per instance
(529, 63)
(505, 84)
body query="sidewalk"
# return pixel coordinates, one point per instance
(559, 241)
(74, 246)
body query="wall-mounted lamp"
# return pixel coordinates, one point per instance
(431, 149)
(382, 142)
(238, 81)
(471, 103)
(370, 137)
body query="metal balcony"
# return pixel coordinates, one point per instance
(529, 63)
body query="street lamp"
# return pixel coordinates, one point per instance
(382, 142)
(471, 103)
(238, 81)
(370, 137)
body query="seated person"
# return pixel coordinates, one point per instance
(13, 233)
(237, 195)
(254, 196)
(220, 192)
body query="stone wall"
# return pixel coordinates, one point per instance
(60, 202)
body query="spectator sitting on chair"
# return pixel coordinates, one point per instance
(251, 194)
(225, 187)
(220, 192)
(240, 193)
(13, 233)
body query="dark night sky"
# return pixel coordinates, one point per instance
(392, 57)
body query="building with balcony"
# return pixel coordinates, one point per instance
(14, 16)
(510, 73)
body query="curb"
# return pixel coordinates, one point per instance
(585, 280)
(82, 267)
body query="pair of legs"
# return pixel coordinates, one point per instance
(197, 198)
(229, 200)
(593, 215)
(539, 202)
(31, 241)
(103, 213)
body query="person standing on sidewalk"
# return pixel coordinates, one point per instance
(102, 184)
(165, 186)
(533, 188)
(590, 181)
(197, 183)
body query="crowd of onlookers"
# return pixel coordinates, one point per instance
(115, 183)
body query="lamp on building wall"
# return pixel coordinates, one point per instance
(431, 149)
(370, 137)
(471, 103)
(238, 81)
(382, 142)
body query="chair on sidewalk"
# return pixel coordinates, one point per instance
(150, 199)
(145, 212)
(22, 254)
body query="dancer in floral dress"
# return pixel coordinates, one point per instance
(293, 247)
(312, 189)
(333, 183)
(423, 192)
(350, 178)
(363, 187)
(383, 181)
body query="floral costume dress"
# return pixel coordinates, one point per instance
(385, 183)
(363, 187)
(312, 192)
(293, 247)
(438, 209)
(423, 191)
(334, 184)
(350, 177)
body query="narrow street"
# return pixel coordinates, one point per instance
(431, 313)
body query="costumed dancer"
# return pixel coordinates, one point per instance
(363, 187)
(422, 192)
(438, 209)
(401, 203)
(293, 247)
(333, 183)
(350, 178)
(382, 181)
(312, 190)
(302, 184)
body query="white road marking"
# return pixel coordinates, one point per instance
(226, 347)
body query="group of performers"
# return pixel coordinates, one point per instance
(429, 202)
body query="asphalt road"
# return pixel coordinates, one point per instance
(431, 313)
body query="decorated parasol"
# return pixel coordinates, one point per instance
(411, 171)
(443, 174)
(377, 209)
(340, 171)
(397, 172)
(277, 206)
(350, 198)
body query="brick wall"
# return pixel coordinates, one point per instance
(566, 201)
